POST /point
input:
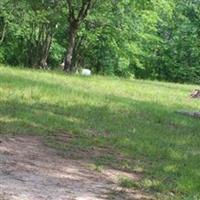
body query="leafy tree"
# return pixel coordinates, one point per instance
(77, 12)
(155, 39)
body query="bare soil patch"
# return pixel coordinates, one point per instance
(31, 171)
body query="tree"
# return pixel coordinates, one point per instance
(76, 15)
(154, 39)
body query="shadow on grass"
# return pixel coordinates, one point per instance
(149, 136)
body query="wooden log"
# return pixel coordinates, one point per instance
(194, 114)
(196, 94)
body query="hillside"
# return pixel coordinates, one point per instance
(131, 125)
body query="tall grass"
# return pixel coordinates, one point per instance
(133, 120)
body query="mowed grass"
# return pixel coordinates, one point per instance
(132, 124)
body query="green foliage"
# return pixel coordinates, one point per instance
(56, 53)
(2, 56)
(157, 39)
(126, 182)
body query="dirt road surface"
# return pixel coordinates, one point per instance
(29, 170)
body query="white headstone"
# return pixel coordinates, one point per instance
(86, 72)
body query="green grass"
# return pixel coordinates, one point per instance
(133, 123)
(126, 182)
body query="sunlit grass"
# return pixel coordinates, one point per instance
(131, 118)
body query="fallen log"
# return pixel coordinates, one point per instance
(194, 114)
(195, 94)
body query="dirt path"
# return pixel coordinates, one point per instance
(31, 171)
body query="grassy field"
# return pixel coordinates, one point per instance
(127, 124)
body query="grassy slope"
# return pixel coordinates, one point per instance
(135, 119)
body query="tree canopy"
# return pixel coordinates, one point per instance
(154, 39)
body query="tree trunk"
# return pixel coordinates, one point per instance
(45, 50)
(3, 33)
(39, 46)
(74, 23)
(71, 45)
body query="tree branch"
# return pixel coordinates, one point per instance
(86, 5)
(3, 34)
(71, 10)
